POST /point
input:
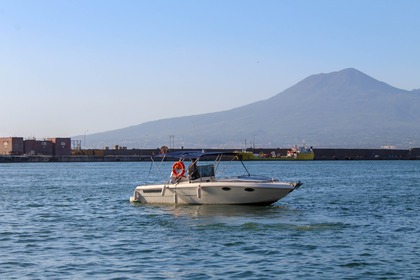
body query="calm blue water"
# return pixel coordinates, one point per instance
(350, 220)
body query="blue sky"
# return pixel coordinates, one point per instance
(74, 67)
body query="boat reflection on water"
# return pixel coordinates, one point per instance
(226, 215)
(225, 210)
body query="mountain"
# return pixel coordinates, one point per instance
(344, 109)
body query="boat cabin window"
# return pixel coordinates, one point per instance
(206, 170)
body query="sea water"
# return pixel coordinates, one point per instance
(349, 220)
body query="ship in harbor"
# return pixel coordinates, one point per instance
(301, 153)
(295, 153)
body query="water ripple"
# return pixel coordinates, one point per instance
(350, 220)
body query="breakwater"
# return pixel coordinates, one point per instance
(99, 155)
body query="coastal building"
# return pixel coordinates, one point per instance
(11, 145)
(61, 146)
(33, 147)
(38, 147)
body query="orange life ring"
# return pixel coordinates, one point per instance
(178, 169)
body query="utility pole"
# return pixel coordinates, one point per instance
(84, 138)
(171, 141)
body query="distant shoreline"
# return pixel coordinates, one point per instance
(132, 155)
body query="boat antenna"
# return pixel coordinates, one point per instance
(150, 169)
(246, 169)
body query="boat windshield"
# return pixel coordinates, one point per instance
(206, 170)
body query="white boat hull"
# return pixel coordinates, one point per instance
(215, 192)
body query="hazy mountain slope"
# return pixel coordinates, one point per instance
(340, 109)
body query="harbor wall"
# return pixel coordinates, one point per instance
(18, 149)
(126, 155)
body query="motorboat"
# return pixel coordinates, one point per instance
(202, 183)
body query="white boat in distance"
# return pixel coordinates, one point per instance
(201, 185)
